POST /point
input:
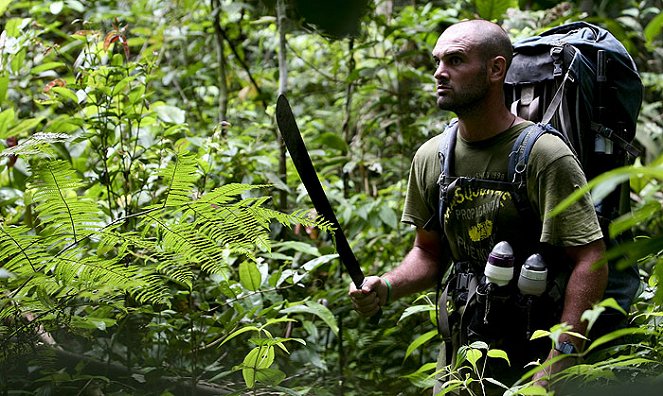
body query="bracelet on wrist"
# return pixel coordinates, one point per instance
(388, 289)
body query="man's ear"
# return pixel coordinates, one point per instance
(497, 68)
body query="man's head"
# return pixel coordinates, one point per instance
(472, 59)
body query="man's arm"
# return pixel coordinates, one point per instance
(417, 272)
(585, 287)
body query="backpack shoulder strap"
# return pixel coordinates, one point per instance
(445, 154)
(446, 148)
(517, 169)
(522, 149)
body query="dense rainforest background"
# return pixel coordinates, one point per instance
(156, 239)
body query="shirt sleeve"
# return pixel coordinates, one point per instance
(558, 174)
(421, 199)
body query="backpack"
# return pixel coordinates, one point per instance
(576, 81)
(579, 78)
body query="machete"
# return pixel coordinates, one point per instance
(297, 149)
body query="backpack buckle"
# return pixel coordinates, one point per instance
(556, 54)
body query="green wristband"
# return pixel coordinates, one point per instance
(388, 289)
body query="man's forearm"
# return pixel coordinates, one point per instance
(417, 272)
(585, 287)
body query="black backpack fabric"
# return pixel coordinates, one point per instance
(579, 78)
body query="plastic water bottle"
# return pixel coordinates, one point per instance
(532, 283)
(533, 276)
(498, 272)
(499, 268)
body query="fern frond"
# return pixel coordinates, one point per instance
(180, 176)
(55, 188)
(40, 143)
(18, 250)
(202, 233)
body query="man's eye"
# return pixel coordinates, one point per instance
(455, 61)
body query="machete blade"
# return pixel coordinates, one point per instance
(299, 154)
(300, 157)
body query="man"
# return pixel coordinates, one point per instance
(472, 61)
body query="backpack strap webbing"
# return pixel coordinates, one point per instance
(517, 169)
(445, 155)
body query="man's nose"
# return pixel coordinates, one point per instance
(440, 72)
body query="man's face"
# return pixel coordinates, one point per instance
(461, 75)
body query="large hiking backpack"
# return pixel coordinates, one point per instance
(582, 81)
(579, 78)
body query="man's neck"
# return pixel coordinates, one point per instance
(474, 128)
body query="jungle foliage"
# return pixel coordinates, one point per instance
(155, 238)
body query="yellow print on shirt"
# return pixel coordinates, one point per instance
(461, 195)
(481, 231)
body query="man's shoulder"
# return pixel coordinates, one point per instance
(430, 147)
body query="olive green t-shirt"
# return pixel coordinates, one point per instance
(477, 218)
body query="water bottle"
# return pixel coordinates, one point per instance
(498, 272)
(532, 283)
(499, 268)
(533, 276)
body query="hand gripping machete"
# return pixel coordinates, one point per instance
(295, 144)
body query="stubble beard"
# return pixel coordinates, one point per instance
(466, 100)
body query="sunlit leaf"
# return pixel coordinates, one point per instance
(170, 114)
(249, 275)
(316, 309)
(258, 358)
(654, 28)
(473, 356)
(494, 9)
(56, 7)
(498, 354)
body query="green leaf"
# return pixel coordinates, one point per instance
(494, 9)
(629, 331)
(653, 29)
(65, 93)
(238, 332)
(25, 125)
(499, 354)
(388, 216)
(6, 118)
(533, 390)
(316, 309)
(258, 358)
(419, 341)
(332, 140)
(46, 66)
(473, 355)
(539, 334)
(170, 114)
(249, 275)
(297, 246)
(612, 303)
(608, 179)
(3, 7)
(56, 7)
(269, 376)
(416, 309)
(4, 85)
(318, 261)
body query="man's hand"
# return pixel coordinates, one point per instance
(372, 295)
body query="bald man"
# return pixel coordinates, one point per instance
(472, 59)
